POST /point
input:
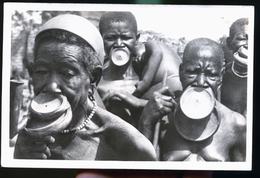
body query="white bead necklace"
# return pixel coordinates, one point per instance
(84, 124)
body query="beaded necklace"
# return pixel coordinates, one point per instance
(84, 124)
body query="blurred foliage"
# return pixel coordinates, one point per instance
(25, 26)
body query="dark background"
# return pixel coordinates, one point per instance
(71, 173)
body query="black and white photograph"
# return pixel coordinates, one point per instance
(110, 86)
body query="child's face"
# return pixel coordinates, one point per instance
(119, 35)
(240, 38)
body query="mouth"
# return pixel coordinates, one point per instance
(119, 56)
(242, 52)
(125, 49)
(197, 102)
(50, 113)
(47, 105)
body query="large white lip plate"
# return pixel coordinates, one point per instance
(197, 102)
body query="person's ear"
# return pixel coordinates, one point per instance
(137, 38)
(180, 68)
(96, 75)
(220, 80)
(228, 42)
(180, 71)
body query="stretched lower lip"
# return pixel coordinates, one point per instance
(120, 49)
(45, 105)
(120, 56)
(50, 113)
(197, 102)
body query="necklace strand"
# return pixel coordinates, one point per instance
(84, 124)
(238, 74)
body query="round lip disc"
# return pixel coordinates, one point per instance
(45, 104)
(197, 102)
(196, 129)
(41, 127)
(119, 57)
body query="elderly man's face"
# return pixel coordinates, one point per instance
(202, 69)
(57, 70)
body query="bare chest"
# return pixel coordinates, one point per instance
(176, 148)
(89, 148)
(116, 85)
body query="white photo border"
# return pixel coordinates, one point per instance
(6, 153)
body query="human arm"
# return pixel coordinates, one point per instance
(153, 57)
(124, 139)
(128, 100)
(160, 104)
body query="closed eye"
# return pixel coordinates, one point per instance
(67, 73)
(211, 75)
(41, 70)
(191, 71)
(126, 37)
(109, 38)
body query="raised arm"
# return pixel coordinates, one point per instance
(161, 103)
(153, 57)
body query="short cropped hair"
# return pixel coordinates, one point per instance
(200, 42)
(89, 58)
(237, 24)
(117, 16)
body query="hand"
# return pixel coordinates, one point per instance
(141, 88)
(160, 104)
(33, 147)
(128, 100)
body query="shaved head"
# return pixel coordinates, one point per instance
(196, 45)
(117, 16)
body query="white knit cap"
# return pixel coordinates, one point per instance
(79, 26)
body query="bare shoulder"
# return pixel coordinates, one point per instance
(113, 124)
(125, 138)
(232, 118)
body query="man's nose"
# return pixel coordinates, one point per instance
(53, 84)
(201, 80)
(119, 42)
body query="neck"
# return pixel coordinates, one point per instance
(79, 115)
(239, 69)
(119, 72)
(81, 120)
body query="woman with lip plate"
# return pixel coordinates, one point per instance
(197, 127)
(67, 65)
(234, 87)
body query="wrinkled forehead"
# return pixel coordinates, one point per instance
(203, 53)
(122, 25)
(240, 29)
(58, 50)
